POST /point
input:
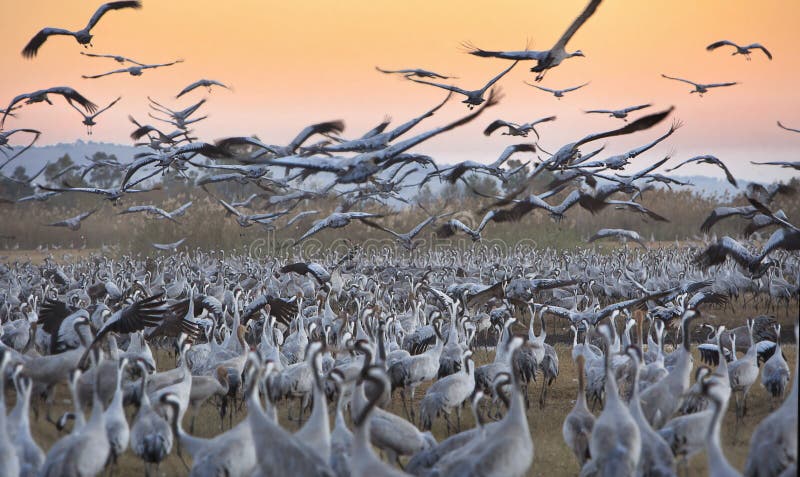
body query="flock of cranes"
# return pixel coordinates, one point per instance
(343, 342)
(351, 334)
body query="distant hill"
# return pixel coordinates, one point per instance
(37, 156)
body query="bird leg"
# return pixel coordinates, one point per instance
(543, 394)
(411, 403)
(403, 398)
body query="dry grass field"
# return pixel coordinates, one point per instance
(552, 458)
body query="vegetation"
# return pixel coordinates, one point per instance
(207, 225)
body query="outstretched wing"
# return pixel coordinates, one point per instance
(762, 48)
(107, 7)
(496, 124)
(577, 23)
(679, 79)
(71, 95)
(567, 90)
(448, 87)
(499, 75)
(639, 125)
(717, 85)
(717, 44)
(38, 40)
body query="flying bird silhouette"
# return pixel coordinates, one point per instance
(84, 36)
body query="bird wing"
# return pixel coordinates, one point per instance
(452, 226)
(782, 238)
(378, 226)
(762, 48)
(107, 107)
(86, 215)
(710, 160)
(192, 86)
(717, 85)
(717, 252)
(679, 79)
(61, 223)
(318, 225)
(601, 111)
(71, 95)
(567, 90)
(10, 107)
(602, 233)
(640, 124)
(402, 146)
(329, 127)
(377, 129)
(577, 23)
(717, 44)
(137, 316)
(542, 88)
(557, 310)
(631, 109)
(38, 40)
(143, 130)
(121, 70)
(787, 128)
(716, 215)
(542, 120)
(509, 150)
(230, 208)
(159, 65)
(494, 125)
(52, 312)
(637, 207)
(168, 246)
(106, 7)
(406, 71)
(137, 208)
(191, 109)
(163, 109)
(416, 230)
(229, 142)
(181, 210)
(499, 75)
(506, 55)
(448, 87)
(136, 165)
(486, 218)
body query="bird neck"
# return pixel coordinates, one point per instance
(581, 401)
(716, 458)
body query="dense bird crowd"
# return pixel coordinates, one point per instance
(310, 334)
(358, 330)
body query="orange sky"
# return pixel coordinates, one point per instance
(294, 63)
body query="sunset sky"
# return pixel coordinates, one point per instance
(294, 63)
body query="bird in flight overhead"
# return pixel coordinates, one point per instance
(135, 70)
(88, 119)
(475, 97)
(558, 93)
(619, 113)
(419, 73)
(740, 50)
(41, 96)
(515, 129)
(700, 88)
(84, 36)
(200, 83)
